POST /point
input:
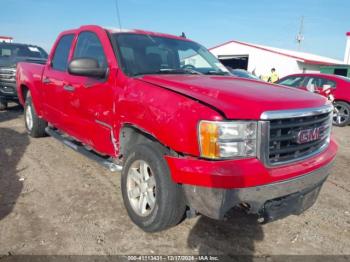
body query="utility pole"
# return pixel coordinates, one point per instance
(300, 36)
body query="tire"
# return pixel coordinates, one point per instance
(341, 117)
(168, 206)
(3, 105)
(35, 126)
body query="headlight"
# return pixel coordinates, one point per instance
(227, 139)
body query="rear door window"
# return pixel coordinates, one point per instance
(315, 83)
(311, 84)
(327, 82)
(60, 58)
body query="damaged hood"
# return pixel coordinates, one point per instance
(237, 98)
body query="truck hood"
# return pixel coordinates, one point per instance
(237, 98)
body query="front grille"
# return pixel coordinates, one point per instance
(7, 74)
(283, 145)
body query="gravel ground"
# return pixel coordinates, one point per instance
(55, 201)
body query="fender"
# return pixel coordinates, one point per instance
(31, 82)
(188, 96)
(172, 125)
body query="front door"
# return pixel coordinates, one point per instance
(89, 100)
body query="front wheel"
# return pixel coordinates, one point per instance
(341, 116)
(153, 201)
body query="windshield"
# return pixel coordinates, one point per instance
(9, 51)
(144, 54)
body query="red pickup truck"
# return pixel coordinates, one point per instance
(188, 137)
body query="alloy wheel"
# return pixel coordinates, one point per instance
(341, 114)
(29, 117)
(141, 188)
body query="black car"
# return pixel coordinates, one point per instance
(10, 55)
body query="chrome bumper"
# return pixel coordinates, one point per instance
(215, 203)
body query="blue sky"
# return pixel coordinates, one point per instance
(208, 22)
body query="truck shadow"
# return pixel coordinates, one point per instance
(12, 147)
(13, 111)
(232, 237)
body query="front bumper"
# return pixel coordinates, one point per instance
(242, 173)
(212, 188)
(271, 201)
(8, 91)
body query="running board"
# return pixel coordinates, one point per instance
(113, 167)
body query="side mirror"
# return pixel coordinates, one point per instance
(86, 67)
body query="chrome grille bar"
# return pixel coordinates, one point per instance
(281, 129)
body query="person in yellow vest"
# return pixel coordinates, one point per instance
(264, 78)
(273, 77)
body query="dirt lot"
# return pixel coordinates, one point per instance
(54, 201)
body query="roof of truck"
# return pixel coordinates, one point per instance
(114, 30)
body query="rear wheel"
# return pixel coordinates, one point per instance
(3, 105)
(341, 116)
(35, 126)
(152, 200)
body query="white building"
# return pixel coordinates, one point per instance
(261, 59)
(6, 39)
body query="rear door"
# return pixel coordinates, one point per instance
(53, 81)
(89, 100)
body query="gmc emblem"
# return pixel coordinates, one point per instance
(308, 135)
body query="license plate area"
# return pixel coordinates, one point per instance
(293, 204)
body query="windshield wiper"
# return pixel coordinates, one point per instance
(180, 71)
(221, 73)
(171, 71)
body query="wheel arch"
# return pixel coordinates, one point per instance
(342, 100)
(22, 94)
(23, 91)
(131, 135)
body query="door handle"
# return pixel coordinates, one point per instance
(46, 80)
(69, 88)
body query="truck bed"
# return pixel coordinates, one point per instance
(28, 74)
